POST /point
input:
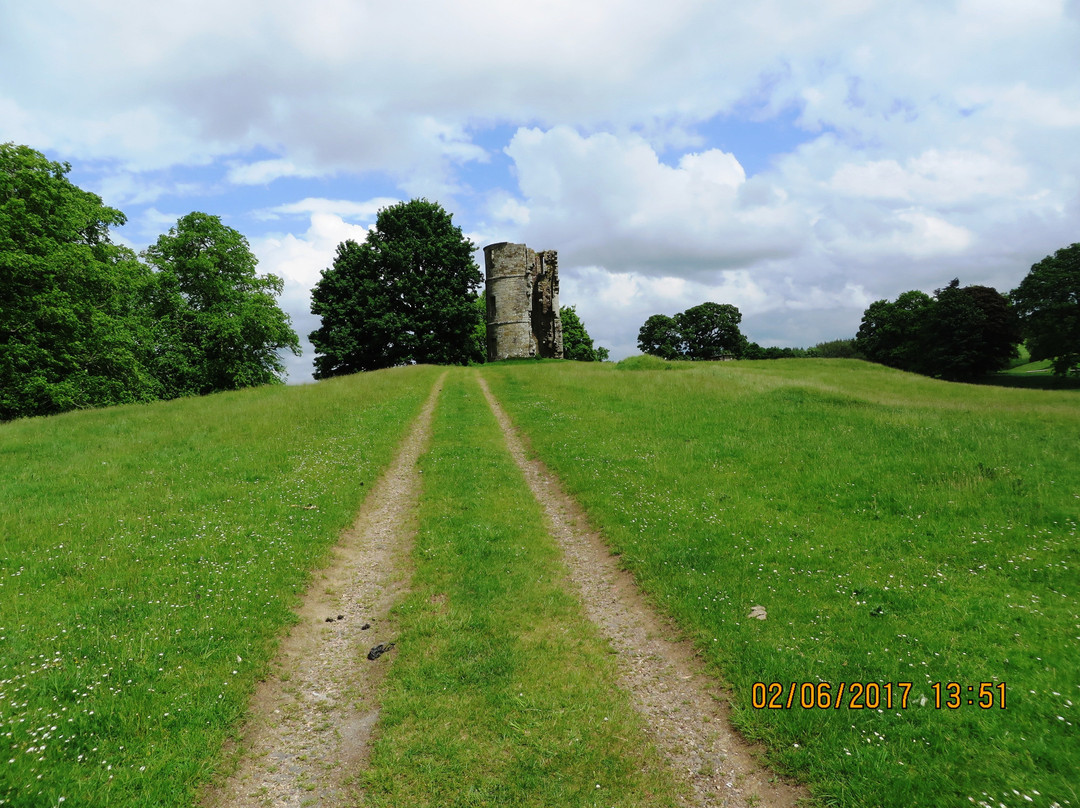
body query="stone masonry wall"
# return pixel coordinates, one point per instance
(522, 302)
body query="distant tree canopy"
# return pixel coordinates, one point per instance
(755, 351)
(836, 349)
(959, 334)
(1048, 304)
(82, 320)
(703, 332)
(406, 295)
(577, 344)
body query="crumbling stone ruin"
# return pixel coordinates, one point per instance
(522, 303)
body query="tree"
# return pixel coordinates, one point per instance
(967, 333)
(72, 333)
(1048, 304)
(407, 294)
(836, 349)
(660, 336)
(711, 331)
(217, 325)
(960, 333)
(890, 332)
(577, 344)
(478, 352)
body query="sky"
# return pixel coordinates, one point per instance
(798, 160)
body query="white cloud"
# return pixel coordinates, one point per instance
(933, 177)
(613, 203)
(264, 172)
(343, 208)
(300, 260)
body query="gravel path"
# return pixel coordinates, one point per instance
(687, 714)
(311, 721)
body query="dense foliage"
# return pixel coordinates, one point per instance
(959, 334)
(84, 323)
(71, 331)
(836, 349)
(406, 295)
(1048, 303)
(660, 336)
(577, 344)
(707, 331)
(216, 325)
(890, 332)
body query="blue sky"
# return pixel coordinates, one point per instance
(797, 160)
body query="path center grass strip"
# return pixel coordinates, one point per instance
(815, 522)
(149, 557)
(501, 692)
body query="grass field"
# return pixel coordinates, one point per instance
(894, 528)
(149, 555)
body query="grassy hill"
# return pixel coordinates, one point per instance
(895, 530)
(150, 555)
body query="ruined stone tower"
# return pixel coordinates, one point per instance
(522, 302)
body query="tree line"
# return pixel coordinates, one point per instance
(962, 333)
(959, 333)
(86, 322)
(710, 331)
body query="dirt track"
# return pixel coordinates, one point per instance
(686, 712)
(311, 722)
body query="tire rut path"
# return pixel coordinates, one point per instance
(310, 722)
(686, 712)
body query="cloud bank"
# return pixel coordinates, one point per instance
(798, 161)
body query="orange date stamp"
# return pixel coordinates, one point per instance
(872, 695)
(829, 696)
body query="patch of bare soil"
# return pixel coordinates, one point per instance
(686, 712)
(310, 722)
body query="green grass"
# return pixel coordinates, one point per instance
(149, 556)
(501, 693)
(895, 528)
(1042, 366)
(1033, 376)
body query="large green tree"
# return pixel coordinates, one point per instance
(1048, 303)
(708, 331)
(72, 330)
(659, 336)
(407, 294)
(216, 322)
(890, 332)
(968, 332)
(711, 331)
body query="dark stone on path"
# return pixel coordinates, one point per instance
(379, 650)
